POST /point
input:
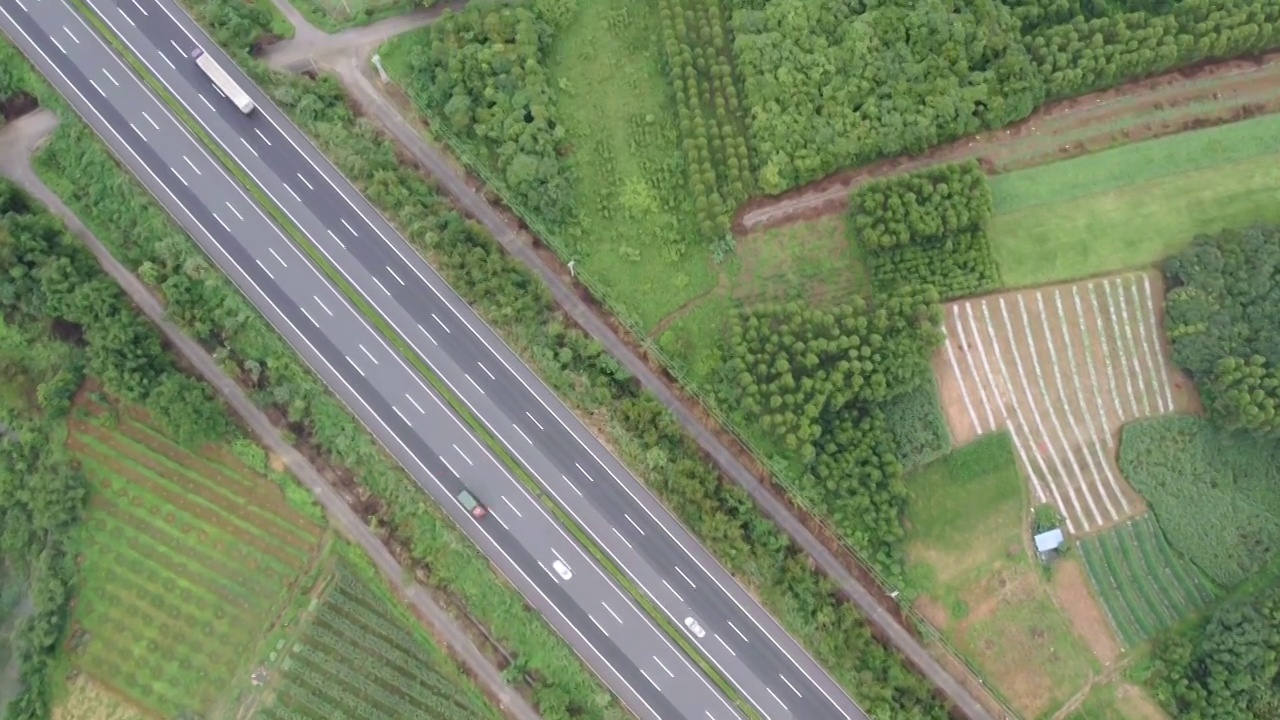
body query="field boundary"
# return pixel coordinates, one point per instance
(402, 346)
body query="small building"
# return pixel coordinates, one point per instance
(1047, 543)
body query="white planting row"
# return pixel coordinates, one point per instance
(1018, 366)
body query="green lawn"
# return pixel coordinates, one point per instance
(1143, 584)
(967, 535)
(1134, 205)
(333, 15)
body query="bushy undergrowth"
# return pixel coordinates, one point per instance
(917, 426)
(1213, 491)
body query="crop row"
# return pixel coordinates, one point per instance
(1143, 586)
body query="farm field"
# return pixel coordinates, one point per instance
(1062, 368)
(88, 700)
(187, 560)
(357, 657)
(968, 550)
(1133, 206)
(1144, 585)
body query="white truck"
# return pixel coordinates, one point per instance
(223, 81)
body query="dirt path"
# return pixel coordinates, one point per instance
(1186, 99)
(24, 136)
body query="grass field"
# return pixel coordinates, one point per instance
(1118, 701)
(1134, 205)
(187, 560)
(333, 15)
(967, 546)
(356, 656)
(1143, 584)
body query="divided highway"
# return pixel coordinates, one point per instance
(644, 667)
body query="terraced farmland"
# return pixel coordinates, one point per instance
(1063, 367)
(356, 658)
(1144, 586)
(187, 560)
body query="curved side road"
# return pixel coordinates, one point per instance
(18, 141)
(349, 66)
(600, 622)
(687, 585)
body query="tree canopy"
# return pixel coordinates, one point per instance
(1223, 319)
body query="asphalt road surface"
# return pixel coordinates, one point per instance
(644, 667)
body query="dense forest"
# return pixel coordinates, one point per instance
(815, 381)
(483, 74)
(1223, 319)
(835, 83)
(927, 227)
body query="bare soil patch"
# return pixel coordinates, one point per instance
(1187, 99)
(1071, 589)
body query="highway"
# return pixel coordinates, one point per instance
(647, 671)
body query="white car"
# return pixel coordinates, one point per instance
(694, 627)
(561, 569)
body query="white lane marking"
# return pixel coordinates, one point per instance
(673, 590)
(620, 537)
(726, 646)
(611, 612)
(793, 687)
(353, 230)
(382, 287)
(162, 55)
(215, 87)
(175, 174)
(24, 7)
(282, 316)
(464, 455)
(234, 210)
(277, 256)
(637, 527)
(473, 382)
(148, 117)
(322, 305)
(264, 137)
(366, 352)
(446, 464)
(735, 629)
(686, 577)
(598, 625)
(264, 267)
(177, 47)
(553, 552)
(304, 182)
(535, 421)
(575, 487)
(246, 144)
(304, 312)
(415, 403)
(354, 365)
(775, 697)
(206, 102)
(135, 4)
(402, 417)
(486, 371)
(504, 525)
(224, 225)
(394, 275)
(664, 667)
(513, 507)
(424, 332)
(126, 17)
(135, 129)
(526, 437)
(55, 42)
(113, 80)
(73, 37)
(193, 165)
(335, 237)
(651, 682)
(95, 87)
(291, 192)
(446, 327)
(584, 472)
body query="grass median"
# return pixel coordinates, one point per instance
(406, 350)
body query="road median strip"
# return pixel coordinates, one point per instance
(408, 353)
